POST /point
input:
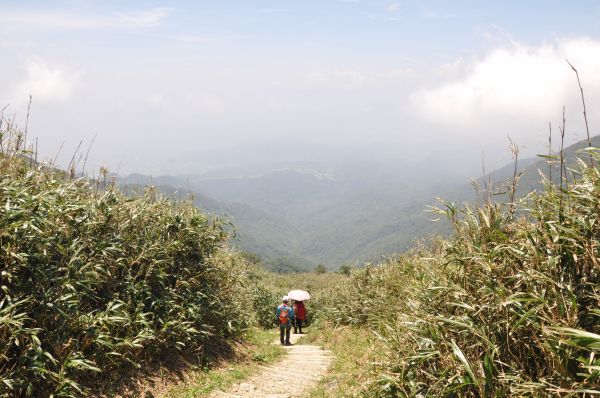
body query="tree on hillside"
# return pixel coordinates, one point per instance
(252, 258)
(320, 269)
(345, 269)
(283, 265)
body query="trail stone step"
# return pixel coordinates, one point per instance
(274, 396)
(309, 356)
(307, 351)
(276, 388)
(220, 394)
(289, 375)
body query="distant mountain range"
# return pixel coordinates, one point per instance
(298, 215)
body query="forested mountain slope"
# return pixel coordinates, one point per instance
(306, 214)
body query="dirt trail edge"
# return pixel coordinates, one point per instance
(300, 370)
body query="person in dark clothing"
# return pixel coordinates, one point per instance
(284, 315)
(299, 316)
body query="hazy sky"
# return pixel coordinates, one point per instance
(153, 79)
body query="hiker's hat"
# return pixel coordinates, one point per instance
(285, 299)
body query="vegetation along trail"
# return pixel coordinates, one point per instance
(103, 290)
(300, 370)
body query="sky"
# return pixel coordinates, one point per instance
(156, 80)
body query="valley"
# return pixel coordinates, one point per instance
(297, 215)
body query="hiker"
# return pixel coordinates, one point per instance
(284, 315)
(299, 315)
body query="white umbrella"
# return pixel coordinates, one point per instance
(299, 295)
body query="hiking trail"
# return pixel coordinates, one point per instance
(300, 370)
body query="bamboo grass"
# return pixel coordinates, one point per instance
(95, 283)
(507, 306)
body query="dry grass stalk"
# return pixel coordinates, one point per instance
(587, 128)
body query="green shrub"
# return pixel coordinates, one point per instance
(94, 283)
(264, 303)
(320, 269)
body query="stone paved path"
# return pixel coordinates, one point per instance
(297, 373)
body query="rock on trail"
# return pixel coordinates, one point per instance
(300, 370)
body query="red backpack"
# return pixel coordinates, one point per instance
(284, 315)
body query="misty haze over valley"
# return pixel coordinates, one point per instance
(318, 205)
(331, 208)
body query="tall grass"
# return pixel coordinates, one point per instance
(506, 307)
(94, 283)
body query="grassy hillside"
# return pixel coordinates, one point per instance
(507, 306)
(96, 284)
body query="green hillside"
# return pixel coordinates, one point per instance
(252, 230)
(310, 218)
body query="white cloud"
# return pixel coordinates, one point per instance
(398, 73)
(353, 78)
(142, 19)
(342, 78)
(495, 33)
(453, 66)
(45, 82)
(58, 20)
(393, 7)
(518, 80)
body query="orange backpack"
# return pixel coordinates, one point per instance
(284, 315)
